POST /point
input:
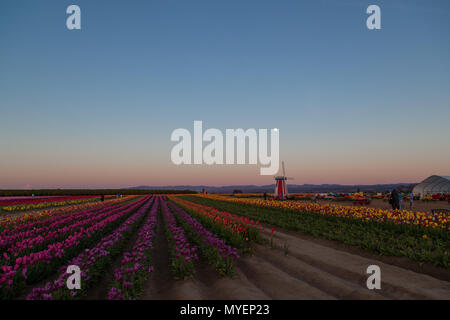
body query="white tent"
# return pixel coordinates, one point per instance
(432, 185)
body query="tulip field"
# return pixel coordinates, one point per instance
(13, 204)
(426, 219)
(123, 245)
(37, 249)
(420, 236)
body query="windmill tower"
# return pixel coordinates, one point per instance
(281, 191)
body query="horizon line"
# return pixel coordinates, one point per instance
(202, 185)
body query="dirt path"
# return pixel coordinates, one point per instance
(343, 274)
(160, 284)
(306, 269)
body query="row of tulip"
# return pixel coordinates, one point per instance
(92, 262)
(36, 233)
(28, 201)
(42, 205)
(181, 252)
(135, 267)
(426, 219)
(15, 222)
(37, 265)
(33, 241)
(237, 230)
(218, 254)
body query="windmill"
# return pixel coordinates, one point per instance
(281, 191)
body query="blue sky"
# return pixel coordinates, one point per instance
(96, 107)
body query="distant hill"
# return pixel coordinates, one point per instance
(79, 192)
(293, 188)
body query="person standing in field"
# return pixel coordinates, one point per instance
(400, 201)
(411, 200)
(265, 195)
(394, 199)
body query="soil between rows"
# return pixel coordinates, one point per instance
(160, 283)
(402, 262)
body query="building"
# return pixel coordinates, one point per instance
(432, 185)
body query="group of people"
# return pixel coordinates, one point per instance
(396, 200)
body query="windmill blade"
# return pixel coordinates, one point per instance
(284, 172)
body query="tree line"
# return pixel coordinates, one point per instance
(87, 192)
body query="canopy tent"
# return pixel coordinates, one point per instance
(432, 185)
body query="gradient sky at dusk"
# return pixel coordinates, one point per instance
(96, 107)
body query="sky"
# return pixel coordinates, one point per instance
(96, 107)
